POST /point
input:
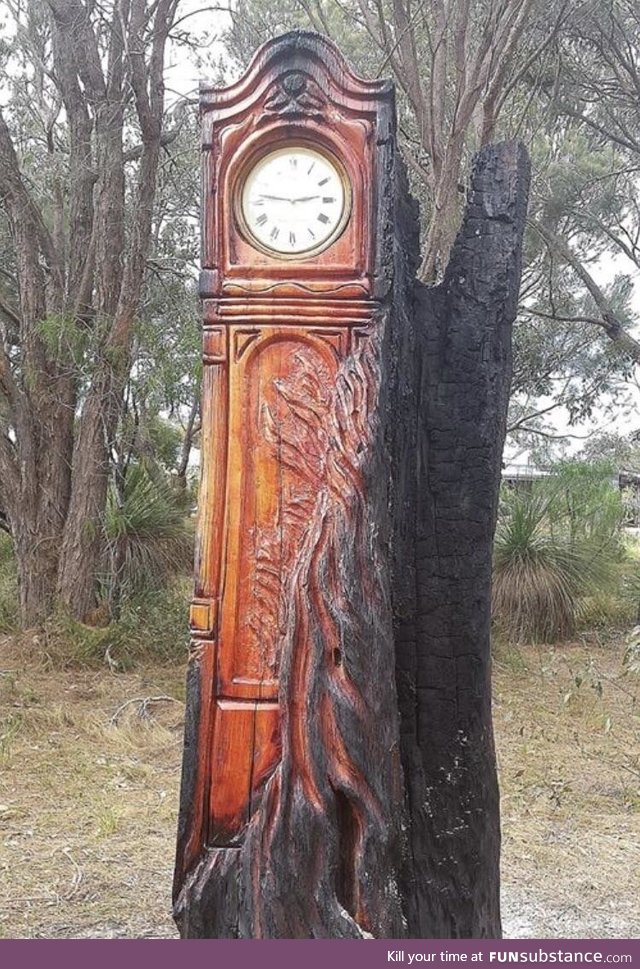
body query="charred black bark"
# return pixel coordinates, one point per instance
(448, 489)
(392, 563)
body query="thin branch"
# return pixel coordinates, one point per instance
(609, 322)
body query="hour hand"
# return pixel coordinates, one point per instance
(276, 198)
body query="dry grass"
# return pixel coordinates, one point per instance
(88, 807)
(568, 734)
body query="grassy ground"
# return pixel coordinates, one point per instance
(87, 803)
(568, 735)
(88, 795)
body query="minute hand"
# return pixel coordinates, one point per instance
(305, 198)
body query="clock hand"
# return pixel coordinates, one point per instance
(305, 198)
(276, 198)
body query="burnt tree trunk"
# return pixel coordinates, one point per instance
(394, 566)
(450, 882)
(335, 799)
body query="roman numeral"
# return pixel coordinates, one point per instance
(323, 218)
(328, 200)
(310, 167)
(275, 232)
(311, 233)
(294, 162)
(324, 180)
(261, 219)
(292, 238)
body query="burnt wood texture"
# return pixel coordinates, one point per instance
(352, 431)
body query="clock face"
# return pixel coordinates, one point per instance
(294, 201)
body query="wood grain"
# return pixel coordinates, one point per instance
(289, 415)
(339, 775)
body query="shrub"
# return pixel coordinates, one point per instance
(152, 625)
(9, 612)
(585, 504)
(148, 536)
(555, 545)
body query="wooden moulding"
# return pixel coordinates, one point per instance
(276, 336)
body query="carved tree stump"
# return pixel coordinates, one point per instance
(353, 426)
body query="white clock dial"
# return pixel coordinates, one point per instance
(294, 201)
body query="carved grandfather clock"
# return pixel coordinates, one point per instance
(339, 774)
(297, 163)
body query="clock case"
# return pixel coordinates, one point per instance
(270, 326)
(294, 92)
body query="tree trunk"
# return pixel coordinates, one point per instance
(37, 565)
(85, 274)
(82, 537)
(450, 883)
(346, 525)
(393, 562)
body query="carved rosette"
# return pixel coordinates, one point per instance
(295, 94)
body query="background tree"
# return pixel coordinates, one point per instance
(562, 78)
(99, 211)
(81, 143)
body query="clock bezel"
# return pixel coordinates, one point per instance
(281, 147)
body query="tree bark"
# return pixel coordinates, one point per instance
(450, 883)
(393, 564)
(120, 268)
(84, 275)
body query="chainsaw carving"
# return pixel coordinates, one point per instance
(339, 773)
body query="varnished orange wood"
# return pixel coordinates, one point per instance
(275, 333)
(263, 528)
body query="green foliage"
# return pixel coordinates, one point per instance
(557, 548)
(64, 339)
(149, 540)
(621, 451)
(586, 503)
(151, 625)
(148, 537)
(165, 440)
(8, 586)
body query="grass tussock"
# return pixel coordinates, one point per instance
(540, 578)
(559, 557)
(148, 535)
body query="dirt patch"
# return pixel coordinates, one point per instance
(89, 790)
(568, 736)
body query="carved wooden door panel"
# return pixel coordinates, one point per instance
(280, 386)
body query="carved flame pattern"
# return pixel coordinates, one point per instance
(327, 823)
(322, 432)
